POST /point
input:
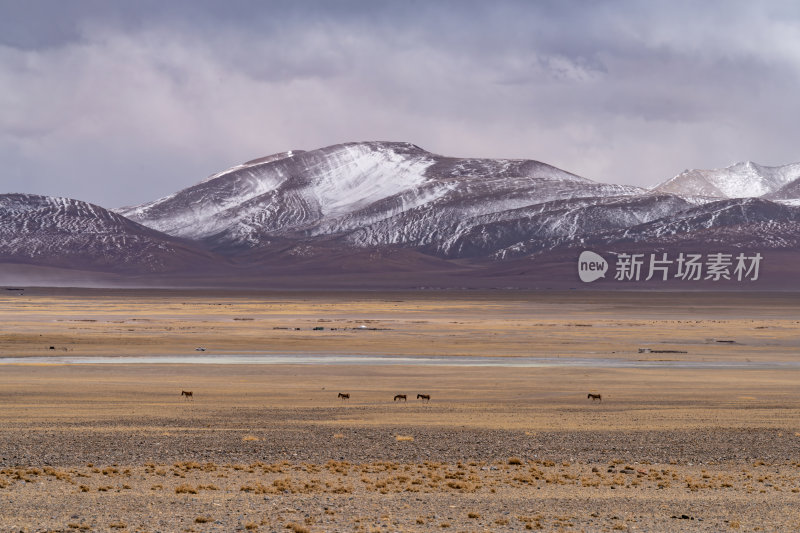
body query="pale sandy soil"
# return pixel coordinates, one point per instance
(269, 447)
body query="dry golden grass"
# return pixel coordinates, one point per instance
(185, 489)
(449, 323)
(417, 323)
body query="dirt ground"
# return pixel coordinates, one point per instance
(115, 447)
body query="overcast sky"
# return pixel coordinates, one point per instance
(119, 102)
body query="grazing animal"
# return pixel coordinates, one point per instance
(344, 396)
(401, 397)
(187, 393)
(424, 397)
(595, 397)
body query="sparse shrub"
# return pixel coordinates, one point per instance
(284, 484)
(404, 438)
(185, 489)
(258, 488)
(50, 471)
(515, 461)
(202, 520)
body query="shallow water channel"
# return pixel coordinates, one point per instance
(382, 360)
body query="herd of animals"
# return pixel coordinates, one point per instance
(424, 397)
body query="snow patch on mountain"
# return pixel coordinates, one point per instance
(358, 175)
(793, 202)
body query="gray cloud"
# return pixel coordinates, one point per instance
(122, 102)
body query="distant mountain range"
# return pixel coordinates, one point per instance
(742, 180)
(379, 214)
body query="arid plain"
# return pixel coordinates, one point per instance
(698, 427)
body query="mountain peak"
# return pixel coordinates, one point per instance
(744, 179)
(338, 189)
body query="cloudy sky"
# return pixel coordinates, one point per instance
(118, 102)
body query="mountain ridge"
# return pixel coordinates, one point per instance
(741, 180)
(379, 184)
(394, 211)
(64, 232)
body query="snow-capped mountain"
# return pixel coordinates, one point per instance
(370, 194)
(379, 195)
(754, 223)
(741, 180)
(390, 212)
(66, 233)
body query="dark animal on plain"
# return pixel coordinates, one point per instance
(595, 397)
(401, 397)
(344, 396)
(188, 394)
(424, 397)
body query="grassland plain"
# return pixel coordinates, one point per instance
(271, 448)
